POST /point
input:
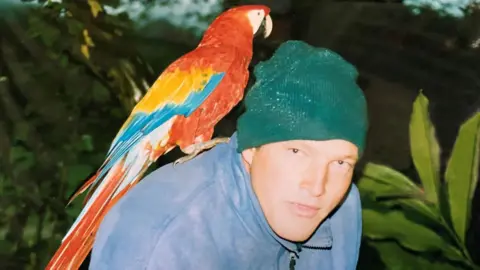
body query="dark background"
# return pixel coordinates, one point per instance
(60, 110)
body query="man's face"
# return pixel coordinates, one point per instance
(298, 183)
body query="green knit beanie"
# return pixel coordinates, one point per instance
(303, 92)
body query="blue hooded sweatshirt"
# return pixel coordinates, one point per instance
(204, 214)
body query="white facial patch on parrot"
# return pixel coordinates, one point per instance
(256, 18)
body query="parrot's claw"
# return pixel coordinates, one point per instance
(185, 158)
(195, 149)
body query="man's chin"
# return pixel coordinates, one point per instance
(295, 233)
(296, 238)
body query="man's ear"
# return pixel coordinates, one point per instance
(247, 155)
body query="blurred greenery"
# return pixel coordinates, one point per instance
(402, 218)
(66, 69)
(70, 72)
(453, 8)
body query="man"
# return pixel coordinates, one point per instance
(277, 196)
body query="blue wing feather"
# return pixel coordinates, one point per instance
(141, 123)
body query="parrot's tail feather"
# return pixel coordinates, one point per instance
(78, 241)
(83, 187)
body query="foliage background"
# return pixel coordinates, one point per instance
(70, 71)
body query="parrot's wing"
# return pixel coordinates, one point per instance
(175, 92)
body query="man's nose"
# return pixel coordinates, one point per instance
(315, 181)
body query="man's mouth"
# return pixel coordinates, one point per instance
(304, 210)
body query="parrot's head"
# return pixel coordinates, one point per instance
(240, 22)
(259, 18)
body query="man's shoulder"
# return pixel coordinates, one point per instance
(138, 220)
(164, 193)
(166, 190)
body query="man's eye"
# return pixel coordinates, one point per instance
(294, 150)
(343, 163)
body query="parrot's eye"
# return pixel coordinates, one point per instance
(259, 13)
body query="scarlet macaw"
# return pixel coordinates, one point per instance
(181, 109)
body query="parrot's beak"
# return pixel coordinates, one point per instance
(267, 26)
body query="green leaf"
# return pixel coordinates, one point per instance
(389, 187)
(395, 257)
(393, 224)
(425, 149)
(392, 179)
(413, 204)
(462, 174)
